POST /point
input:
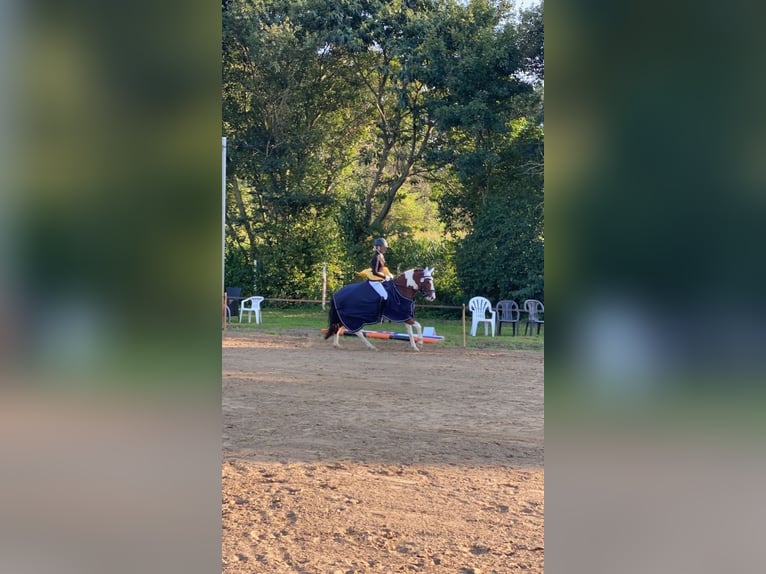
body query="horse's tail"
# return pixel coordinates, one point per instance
(334, 319)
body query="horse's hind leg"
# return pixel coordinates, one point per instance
(366, 341)
(336, 341)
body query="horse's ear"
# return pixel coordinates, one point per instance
(429, 271)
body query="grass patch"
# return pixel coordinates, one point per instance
(304, 319)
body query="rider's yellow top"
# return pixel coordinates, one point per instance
(367, 274)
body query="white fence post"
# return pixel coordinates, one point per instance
(324, 284)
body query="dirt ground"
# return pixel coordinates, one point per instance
(353, 461)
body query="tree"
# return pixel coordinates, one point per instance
(380, 41)
(502, 255)
(289, 114)
(347, 118)
(489, 120)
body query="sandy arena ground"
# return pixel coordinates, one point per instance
(353, 461)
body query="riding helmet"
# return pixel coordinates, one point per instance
(382, 242)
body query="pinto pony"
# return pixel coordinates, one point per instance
(358, 304)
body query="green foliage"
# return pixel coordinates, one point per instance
(238, 270)
(502, 256)
(287, 109)
(424, 252)
(419, 121)
(489, 115)
(531, 41)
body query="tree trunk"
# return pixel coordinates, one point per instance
(243, 219)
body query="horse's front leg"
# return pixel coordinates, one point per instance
(413, 343)
(420, 332)
(366, 341)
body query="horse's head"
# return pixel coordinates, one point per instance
(414, 280)
(425, 282)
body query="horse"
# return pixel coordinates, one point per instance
(356, 305)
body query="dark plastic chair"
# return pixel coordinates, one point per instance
(234, 296)
(507, 312)
(533, 308)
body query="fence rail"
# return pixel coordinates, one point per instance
(322, 302)
(419, 305)
(422, 306)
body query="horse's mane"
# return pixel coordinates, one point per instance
(412, 270)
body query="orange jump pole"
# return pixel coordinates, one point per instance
(389, 335)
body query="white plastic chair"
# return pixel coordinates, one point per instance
(251, 305)
(481, 312)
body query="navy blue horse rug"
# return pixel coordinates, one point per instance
(358, 305)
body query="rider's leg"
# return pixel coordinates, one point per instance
(378, 286)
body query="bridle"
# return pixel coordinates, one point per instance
(413, 281)
(429, 294)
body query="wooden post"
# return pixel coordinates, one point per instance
(223, 310)
(464, 325)
(223, 214)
